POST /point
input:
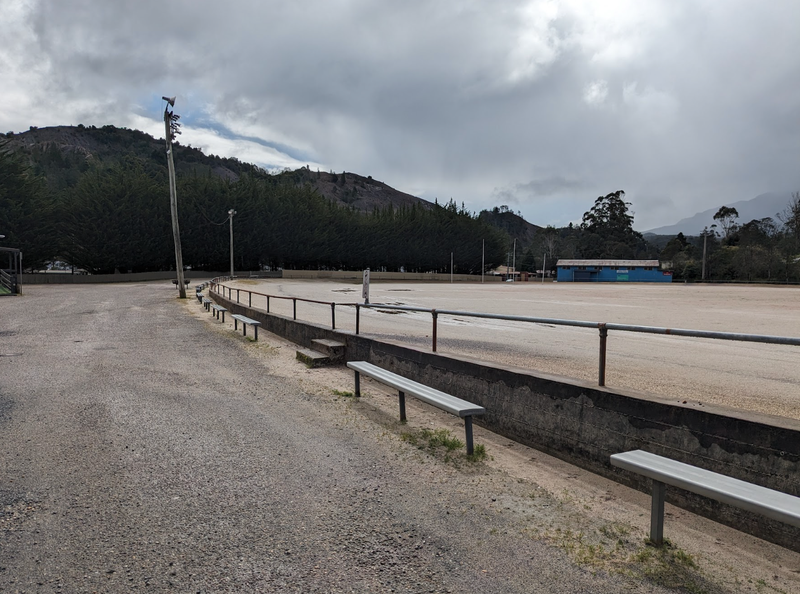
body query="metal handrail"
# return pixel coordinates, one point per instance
(602, 327)
(217, 283)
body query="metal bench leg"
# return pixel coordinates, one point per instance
(255, 332)
(244, 329)
(402, 396)
(468, 431)
(657, 514)
(223, 317)
(358, 384)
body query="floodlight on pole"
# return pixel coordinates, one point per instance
(231, 212)
(171, 129)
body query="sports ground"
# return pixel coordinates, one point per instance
(762, 378)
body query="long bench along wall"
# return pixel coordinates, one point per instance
(585, 424)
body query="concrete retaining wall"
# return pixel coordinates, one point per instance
(584, 424)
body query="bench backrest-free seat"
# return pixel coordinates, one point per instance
(245, 322)
(665, 471)
(403, 385)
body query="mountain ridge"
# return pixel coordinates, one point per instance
(768, 204)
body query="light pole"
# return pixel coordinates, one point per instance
(514, 265)
(451, 267)
(544, 265)
(483, 257)
(171, 128)
(706, 233)
(231, 212)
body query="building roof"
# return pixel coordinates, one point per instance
(653, 263)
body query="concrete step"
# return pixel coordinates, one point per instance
(332, 348)
(313, 358)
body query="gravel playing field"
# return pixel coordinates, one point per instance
(750, 376)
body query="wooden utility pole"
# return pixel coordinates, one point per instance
(170, 129)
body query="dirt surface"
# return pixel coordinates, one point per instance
(762, 378)
(146, 447)
(580, 511)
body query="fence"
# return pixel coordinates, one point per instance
(602, 327)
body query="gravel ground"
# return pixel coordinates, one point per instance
(145, 447)
(141, 452)
(749, 376)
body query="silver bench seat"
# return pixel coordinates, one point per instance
(664, 471)
(447, 402)
(245, 322)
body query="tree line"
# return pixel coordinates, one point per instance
(114, 216)
(110, 211)
(765, 249)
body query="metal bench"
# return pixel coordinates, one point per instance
(199, 296)
(664, 471)
(207, 303)
(455, 406)
(218, 309)
(245, 321)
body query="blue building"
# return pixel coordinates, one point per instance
(612, 271)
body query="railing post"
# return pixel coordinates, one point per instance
(435, 316)
(358, 317)
(333, 316)
(267, 303)
(250, 299)
(237, 295)
(294, 308)
(601, 379)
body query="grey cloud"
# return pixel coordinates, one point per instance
(459, 99)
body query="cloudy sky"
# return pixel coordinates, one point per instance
(539, 105)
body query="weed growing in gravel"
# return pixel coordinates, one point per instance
(670, 567)
(343, 394)
(441, 438)
(478, 453)
(609, 547)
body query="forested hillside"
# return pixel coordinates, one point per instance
(98, 199)
(100, 202)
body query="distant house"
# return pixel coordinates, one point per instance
(611, 271)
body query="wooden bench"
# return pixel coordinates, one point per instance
(218, 309)
(456, 406)
(199, 296)
(207, 303)
(245, 321)
(664, 471)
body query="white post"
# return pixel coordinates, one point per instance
(365, 287)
